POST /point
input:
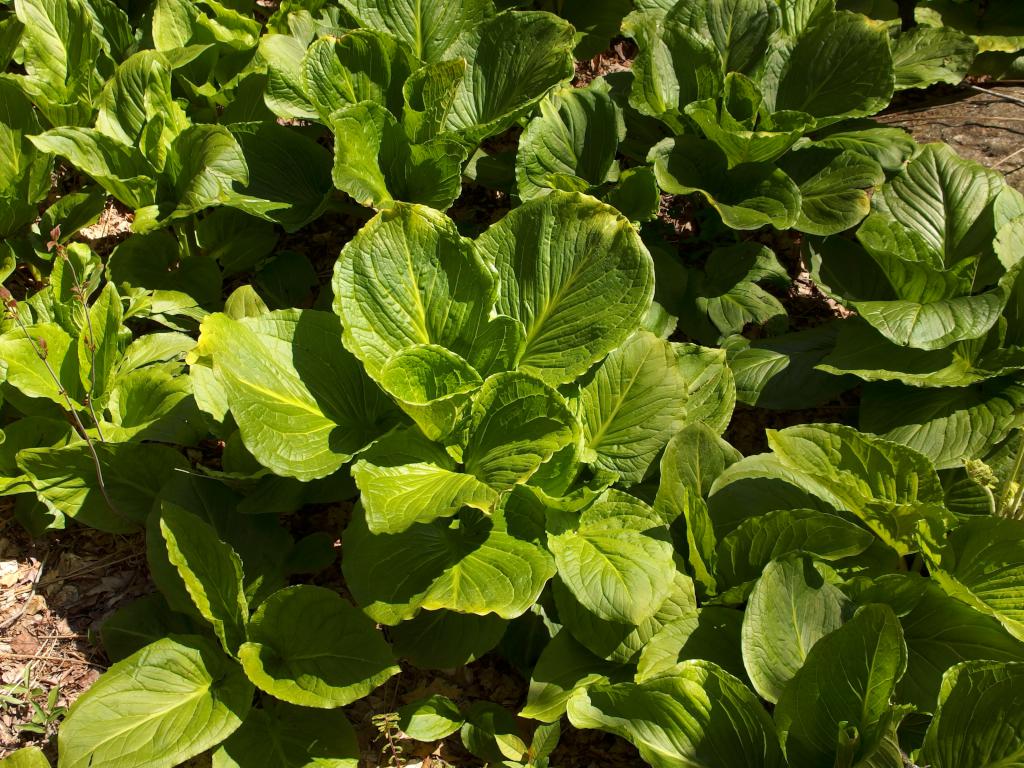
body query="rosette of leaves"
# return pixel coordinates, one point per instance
(211, 45)
(68, 49)
(145, 151)
(805, 540)
(931, 274)
(739, 84)
(414, 89)
(937, 257)
(928, 51)
(527, 384)
(100, 410)
(185, 677)
(995, 31)
(573, 145)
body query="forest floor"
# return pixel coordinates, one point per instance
(56, 591)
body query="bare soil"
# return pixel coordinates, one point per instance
(985, 127)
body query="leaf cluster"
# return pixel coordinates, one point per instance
(520, 419)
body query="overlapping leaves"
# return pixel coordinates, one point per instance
(539, 460)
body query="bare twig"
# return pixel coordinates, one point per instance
(1008, 157)
(997, 94)
(63, 659)
(94, 567)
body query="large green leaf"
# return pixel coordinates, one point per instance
(780, 371)
(724, 297)
(152, 404)
(926, 55)
(309, 646)
(834, 188)
(745, 552)
(949, 424)
(512, 61)
(979, 721)
(429, 28)
(888, 486)
(116, 167)
(268, 554)
(134, 99)
(982, 564)
(26, 757)
(615, 641)
(289, 174)
(24, 171)
(28, 432)
(940, 632)
(572, 144)
(844, 686)
(756, 139)
(636, 194)
(404, 479)
(841, 66)
(203, 164)
(711, 395)
(863, 351)
(581, 293)
(360, 65)
(889, 147)
(285, 92)
(279, 735)
(302, 403)
(697, 716)
(791, 608)
(61, 47)
(483, 565)
(99, 345)
(429, 93)
(157, 261)
(740, 29)
(137, 623)
(161, 706)
(432, 385)
(211, 571)
(631, 404)
(563, 667)
(747, 196)
(692, 460)
(797, 15)
(430, 719)
(710, 633)
(66, 480)
(935, 324)
(618, 561)
(29, 373)
(492, 733)
(408, 278)
(516, 423)
(673, 68)
(943, 197)
(445, 639)
(10, 36)
(375, 163)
